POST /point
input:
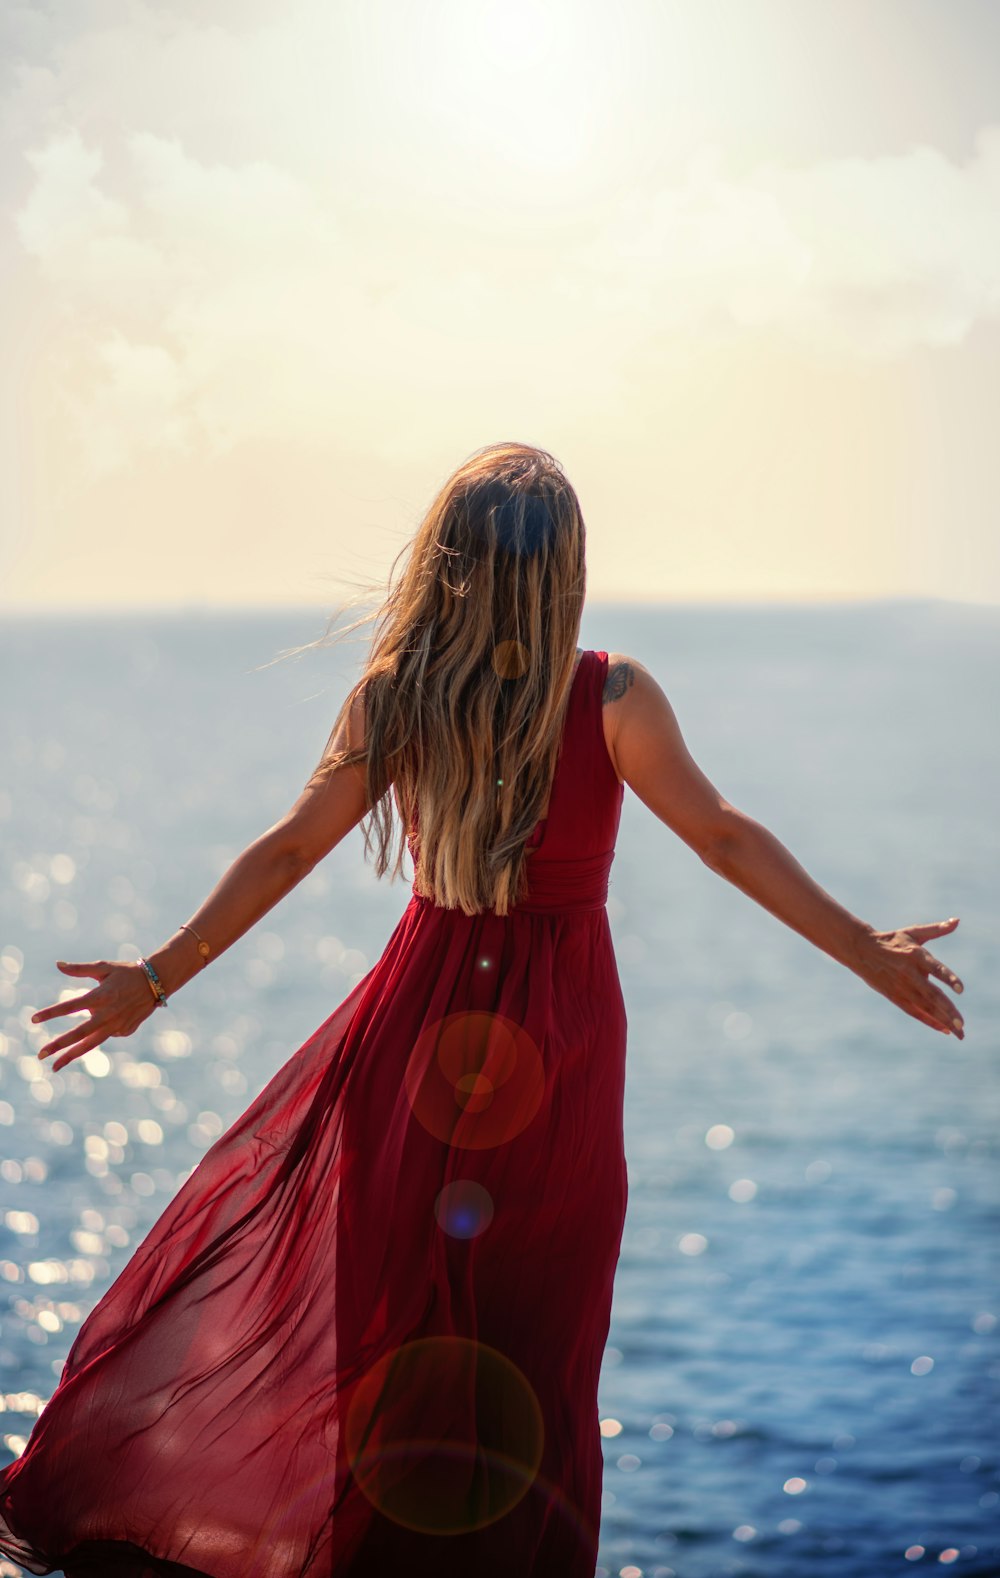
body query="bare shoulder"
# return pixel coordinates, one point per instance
(620, 677)
(352, 730)
(631, 698)
(624, 672)
(650, 754)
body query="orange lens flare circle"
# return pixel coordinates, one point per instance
(444, 1435)
(474, 1079)
(510, 659)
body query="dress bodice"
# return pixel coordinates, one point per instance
(572, 848)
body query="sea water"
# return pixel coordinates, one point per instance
(802, 1370)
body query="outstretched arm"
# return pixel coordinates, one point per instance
(263, 874)
(652, 758)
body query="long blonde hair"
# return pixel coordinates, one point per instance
(468, 677)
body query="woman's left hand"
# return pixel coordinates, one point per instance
(117, 1006)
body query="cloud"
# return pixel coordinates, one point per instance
(866, 256)
(211, 308)
(272, 319)
(137, 401)
(81, 238)
(350, 279)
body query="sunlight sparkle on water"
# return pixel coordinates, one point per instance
(719, 1136)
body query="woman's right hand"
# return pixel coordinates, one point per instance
(897, 964)
(118, 1005)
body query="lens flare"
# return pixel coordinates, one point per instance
(464, 1208)
(444, 1435)
(475, 1079)
(510, 659)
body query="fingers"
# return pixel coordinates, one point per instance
(936, 967)
(87, 1045)
(98, 969)
(70, 1038)
(931, 929)
(71, 1005)
(928, 1019)
(945, 1015)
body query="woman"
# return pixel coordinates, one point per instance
(366, 1335)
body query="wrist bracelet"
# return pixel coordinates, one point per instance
(155, 984)
(203, 947)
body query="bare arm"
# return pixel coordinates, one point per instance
(654, 761)
(263, 874)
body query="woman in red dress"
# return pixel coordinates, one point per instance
(365, 1336)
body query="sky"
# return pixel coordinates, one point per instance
(272, 269)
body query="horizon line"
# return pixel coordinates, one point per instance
(176, 607)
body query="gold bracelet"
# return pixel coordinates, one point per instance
(155, 984)
(203, 947)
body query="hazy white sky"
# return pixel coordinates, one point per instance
(271, 269)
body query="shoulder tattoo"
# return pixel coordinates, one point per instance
(619, 677)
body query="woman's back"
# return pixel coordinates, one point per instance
(572, 845)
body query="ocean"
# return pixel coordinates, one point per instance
(803, 1365)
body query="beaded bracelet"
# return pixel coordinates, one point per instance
(155, 984)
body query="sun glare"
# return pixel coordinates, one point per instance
(522, 80)
(511, 83)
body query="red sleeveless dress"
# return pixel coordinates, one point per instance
(366, 1334)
